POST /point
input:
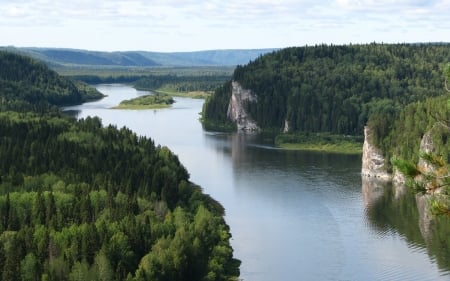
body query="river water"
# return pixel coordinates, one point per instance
(293, 215)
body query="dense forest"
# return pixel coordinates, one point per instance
(187, 82)
(80, 201)
(181, 83)
(400, 135)
(334, 89)
(24, 81)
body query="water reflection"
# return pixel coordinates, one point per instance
(252, 152)
(293, 215)
(394, 208)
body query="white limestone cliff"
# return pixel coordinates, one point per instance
(373, 162)
(286, 128)
(236, 111)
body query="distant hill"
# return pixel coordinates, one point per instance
(24, 79)
(74, 57)
(207, 58)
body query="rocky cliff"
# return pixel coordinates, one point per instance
(373, 162)
(428, 146)
(236, 110)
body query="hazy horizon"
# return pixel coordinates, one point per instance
(186, 26)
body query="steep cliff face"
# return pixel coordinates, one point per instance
(373, 160)
(286, 128)
(427, 146)
(236, 111)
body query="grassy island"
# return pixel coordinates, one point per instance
(154, 101)
(320, 142)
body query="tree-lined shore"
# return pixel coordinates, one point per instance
(80, 201)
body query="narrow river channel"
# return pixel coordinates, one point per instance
(293, 215)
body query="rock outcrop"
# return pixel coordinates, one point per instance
(373, 162)
(427, 146)
(236, 111)
(286, 128)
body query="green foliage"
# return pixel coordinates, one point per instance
(320, 142)
(147, 102)
(404, 131)
(89, 93)
(434, 178)
(447, 72)
(447, 76)
(405, 167)
(426, 122)
(26, 83)
(335, 89)
(214, 113)
(181, 83)
(96, 75)
(79, 201)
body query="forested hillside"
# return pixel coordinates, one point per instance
(400, 135)
(334, 89)
(180, 83)
(86, 58)
(25, 80)
(79, 201)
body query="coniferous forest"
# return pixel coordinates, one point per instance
(80, 201)
(334, 89)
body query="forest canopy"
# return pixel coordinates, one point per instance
(23, 79)
(334, 89)
(80, 201)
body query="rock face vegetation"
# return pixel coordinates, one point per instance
(80, 201)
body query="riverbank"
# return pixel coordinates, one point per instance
(188, 94)
(320, 142)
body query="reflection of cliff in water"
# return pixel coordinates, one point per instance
(395, 208)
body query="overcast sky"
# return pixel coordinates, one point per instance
(173, 25)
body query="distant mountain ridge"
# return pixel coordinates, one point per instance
(75, 57)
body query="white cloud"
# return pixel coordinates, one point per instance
(193, 24)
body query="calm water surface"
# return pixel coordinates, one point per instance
(293, 215)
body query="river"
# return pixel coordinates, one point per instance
(293, 215)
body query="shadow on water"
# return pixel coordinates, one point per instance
(395, 208)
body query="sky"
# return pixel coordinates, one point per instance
(191, 25)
